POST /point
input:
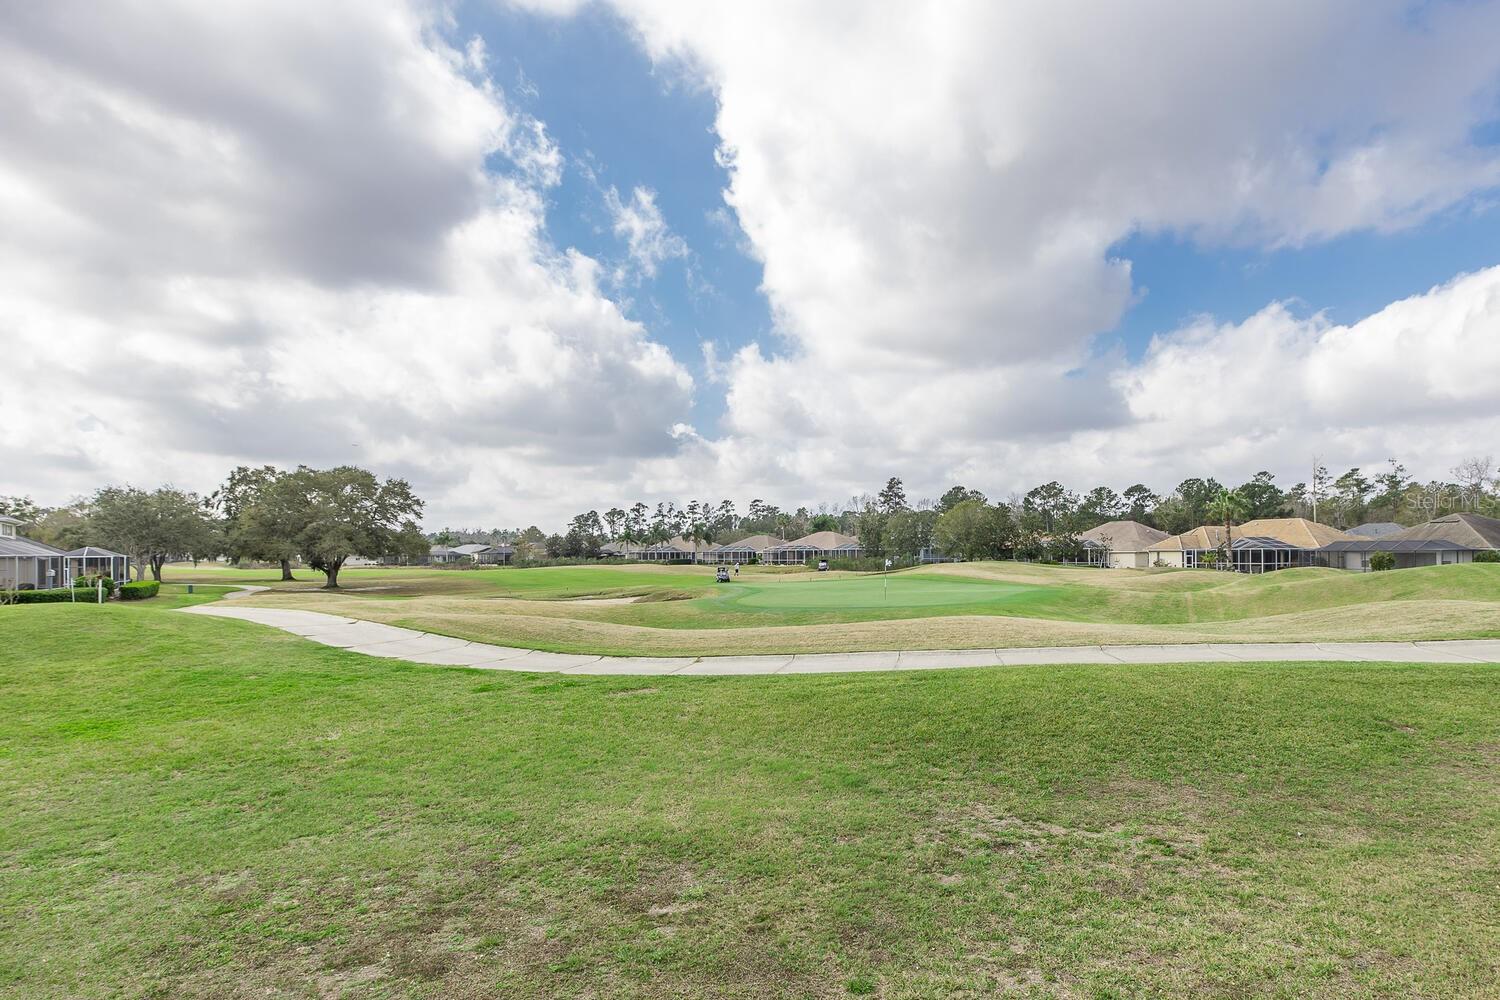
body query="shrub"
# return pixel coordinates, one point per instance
(1487, 556)
(1382, 561)
(52, 596)
(139, 590)
(92, 579)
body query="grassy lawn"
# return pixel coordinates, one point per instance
(211, 808)
(675, 610)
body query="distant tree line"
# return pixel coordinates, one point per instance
(319, 517)
(1042, 522)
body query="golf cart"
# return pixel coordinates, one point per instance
(822, 565)
(722, 576)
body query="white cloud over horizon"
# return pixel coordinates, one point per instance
(208, 265)
(317, 233)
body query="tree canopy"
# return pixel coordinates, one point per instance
(154, 528)
(973, 529)
(260, 516)
(347, 511)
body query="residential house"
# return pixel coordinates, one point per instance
(744, 551)
(30, 565)
(818, 545)
(1121, 544)
(1452, 538)
(1258, 546)
(485, 555)
(674, 550)
(1375, 529)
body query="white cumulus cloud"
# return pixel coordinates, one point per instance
(935, 191)
(274, 232)
(317, 232)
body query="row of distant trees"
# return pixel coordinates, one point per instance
(319, 517)
(1042, 521)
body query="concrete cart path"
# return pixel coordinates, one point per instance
(375, 639)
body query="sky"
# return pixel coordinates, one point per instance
(544, 256)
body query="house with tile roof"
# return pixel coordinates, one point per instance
(1376, 529)
(743, 551)
(1121, 544)
(1257, 546)
(816, 546)
(674, 550)
(1450, 539)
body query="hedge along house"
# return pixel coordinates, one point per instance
(1121, 544)
(818, 545)
(1260, 546)
(1447, 540)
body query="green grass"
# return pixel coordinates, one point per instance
(210, 808)
(901, 594)
(681, 611)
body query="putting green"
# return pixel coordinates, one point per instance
(877, 592)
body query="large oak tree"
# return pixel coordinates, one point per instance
(260, 519)
(154, 528)
(347, 511)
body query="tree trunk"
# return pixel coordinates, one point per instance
(156, 564)
(286, 570)
(334, 565)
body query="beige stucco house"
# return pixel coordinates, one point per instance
(818, 545)
(1121, 544)
(1258, 546)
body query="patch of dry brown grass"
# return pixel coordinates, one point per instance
(559, 626)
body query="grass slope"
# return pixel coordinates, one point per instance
(959, 606)
(210, 808)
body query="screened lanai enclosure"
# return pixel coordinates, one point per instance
(1255, 554)
(1407, 552)
(93, 561)
(31, 565)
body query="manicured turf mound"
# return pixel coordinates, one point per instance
(899, 593)
(208, 808)
(681, 611)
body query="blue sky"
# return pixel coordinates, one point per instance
(1347, 278)
(622, 122)
(937, 191)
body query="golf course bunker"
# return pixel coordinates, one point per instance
(883, 592)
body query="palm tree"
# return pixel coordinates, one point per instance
(1229, 505)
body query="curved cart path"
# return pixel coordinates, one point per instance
(375, 639)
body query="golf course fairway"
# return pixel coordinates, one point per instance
(895, 592)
